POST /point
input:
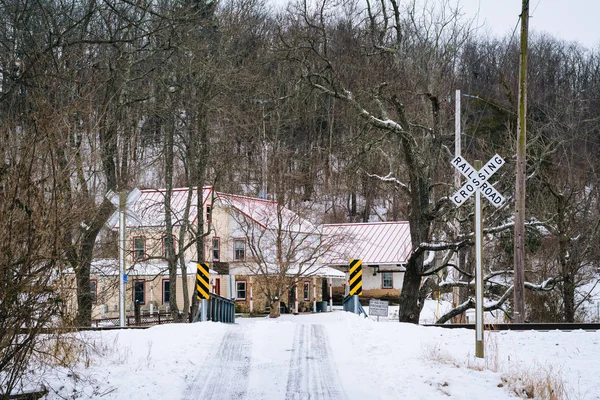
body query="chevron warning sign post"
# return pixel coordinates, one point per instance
(202, 281)
(355, 277)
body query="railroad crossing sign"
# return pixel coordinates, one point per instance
(477, 180)
(477, 183)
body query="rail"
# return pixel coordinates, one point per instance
(144, 319)
(562, 326)
(220, 309)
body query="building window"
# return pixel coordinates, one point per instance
(139, 247)
(216, 249)
(239, 250)
(94, 290)
(387, 280)
(139, 294)
(240, 290)
(165, 248)
(166, 291)
(306, 290)
(208, 214)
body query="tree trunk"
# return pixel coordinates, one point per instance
(569, 297)
(183, 228)
(409, 309)
(201, 152)
(82, 273)
(170, 247)
(275, 310)
(419, 222)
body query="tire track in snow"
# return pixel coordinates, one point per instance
(312, 373)
(225, 374)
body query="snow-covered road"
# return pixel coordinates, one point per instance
(225, 374)
(307, 368)
(322, 356)
(313, 373)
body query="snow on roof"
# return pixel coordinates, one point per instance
(110, 267)
(317, 270)
(149, 207)
(265, 213)
(375, 243)
(320, 271)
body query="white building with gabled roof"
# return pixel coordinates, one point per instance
(233, 224)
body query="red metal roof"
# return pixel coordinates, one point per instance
(375, 243)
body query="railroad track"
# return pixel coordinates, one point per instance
(561, 326)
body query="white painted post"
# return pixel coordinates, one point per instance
(478, 272)
(296, 297)
(251, 298)
(330, 296)
(347, 285)
(151, 297)
(314, 294)
(122, 227)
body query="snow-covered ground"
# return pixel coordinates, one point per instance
(334, 355)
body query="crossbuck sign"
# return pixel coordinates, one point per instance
(477, 180)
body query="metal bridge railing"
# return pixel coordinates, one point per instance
(220, 309)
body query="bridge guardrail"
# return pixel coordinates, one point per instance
(351, 304)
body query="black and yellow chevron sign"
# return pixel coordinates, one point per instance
(202, 281)
(355, 277)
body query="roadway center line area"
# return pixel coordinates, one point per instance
(312, 373)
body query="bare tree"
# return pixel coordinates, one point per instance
(283, 246)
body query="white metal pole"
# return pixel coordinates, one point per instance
(330, 296)
(478, 273)
(122, 244)
(457, 134)
(204, 310)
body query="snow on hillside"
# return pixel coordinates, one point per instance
(324, 355)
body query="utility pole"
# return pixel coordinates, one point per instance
(519, 244)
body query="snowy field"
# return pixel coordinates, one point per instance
(325, 356)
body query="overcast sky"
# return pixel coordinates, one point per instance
(571, 20)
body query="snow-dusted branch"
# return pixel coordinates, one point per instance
(470, 303)
(391, 179)
(546, 285)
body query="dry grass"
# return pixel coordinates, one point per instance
(539, 382)
(62, 350)
(435, 353)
